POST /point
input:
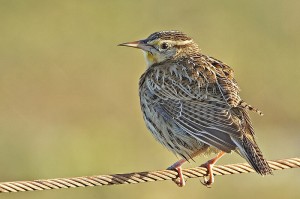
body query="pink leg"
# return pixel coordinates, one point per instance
(209, 165)
(177, 166)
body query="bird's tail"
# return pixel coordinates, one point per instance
(250, 151)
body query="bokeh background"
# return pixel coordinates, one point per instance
(69, 102)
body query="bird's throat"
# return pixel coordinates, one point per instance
(150, 59)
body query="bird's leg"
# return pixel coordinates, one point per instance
(177, 166)
(209, 165)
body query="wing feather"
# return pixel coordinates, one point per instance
(203, 111)
(210, 131)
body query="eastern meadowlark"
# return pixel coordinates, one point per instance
(191, 103)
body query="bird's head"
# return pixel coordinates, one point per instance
(164, 45)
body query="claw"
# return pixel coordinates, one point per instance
(205, 182)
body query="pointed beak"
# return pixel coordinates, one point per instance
(133, 44)
(141, 44)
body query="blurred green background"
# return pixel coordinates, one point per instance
(69, 102)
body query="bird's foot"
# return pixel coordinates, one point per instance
(208, 182)
(210, 174)
(180, 181)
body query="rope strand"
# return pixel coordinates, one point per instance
(138, 177)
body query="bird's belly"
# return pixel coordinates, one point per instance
(169, 134)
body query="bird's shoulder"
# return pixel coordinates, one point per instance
(213, 68)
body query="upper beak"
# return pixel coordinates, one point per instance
(141, 44)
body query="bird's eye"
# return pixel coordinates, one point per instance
(164, 46)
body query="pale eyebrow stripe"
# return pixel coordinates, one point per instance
(178, 43)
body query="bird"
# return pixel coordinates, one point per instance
(191, 104)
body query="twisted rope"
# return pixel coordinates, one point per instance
(139, 177)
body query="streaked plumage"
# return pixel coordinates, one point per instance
(191, 101)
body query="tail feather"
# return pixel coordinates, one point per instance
(253, 155)
(243, 104)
